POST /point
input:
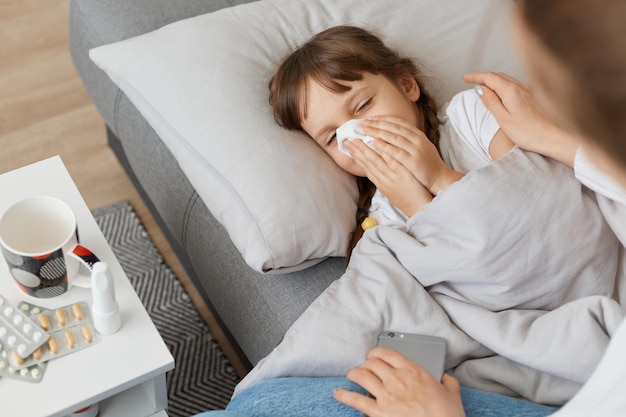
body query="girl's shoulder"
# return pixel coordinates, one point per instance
(467, 128)
(464, 106)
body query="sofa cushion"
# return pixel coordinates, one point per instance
(202, 85)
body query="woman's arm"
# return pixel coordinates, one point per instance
(520, 117)
(596, 179)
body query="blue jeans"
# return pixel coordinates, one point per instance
(314, 397)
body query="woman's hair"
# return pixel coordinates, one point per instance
(331, 58)
(587, 38)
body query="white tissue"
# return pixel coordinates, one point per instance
(351, 130)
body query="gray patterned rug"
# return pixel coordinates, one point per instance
(202, 379)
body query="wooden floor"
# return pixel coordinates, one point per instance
(45, 111)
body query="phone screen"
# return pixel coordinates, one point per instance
(427, 351)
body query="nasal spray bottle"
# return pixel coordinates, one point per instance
(104, 308)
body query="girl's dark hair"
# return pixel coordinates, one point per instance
(336, 55)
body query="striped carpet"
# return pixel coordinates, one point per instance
(202, 379)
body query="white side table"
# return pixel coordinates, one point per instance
(125, 371)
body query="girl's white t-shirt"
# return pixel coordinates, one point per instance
(466, 131)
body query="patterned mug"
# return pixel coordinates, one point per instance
(39, 239)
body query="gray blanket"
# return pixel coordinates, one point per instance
(514, 265)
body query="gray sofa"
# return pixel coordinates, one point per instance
(254, 309)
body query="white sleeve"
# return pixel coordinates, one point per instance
(474, 124)
(587, 173)
(385, 213)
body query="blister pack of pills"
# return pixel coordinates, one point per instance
(32, 373)
(18, 332)
(70, 329)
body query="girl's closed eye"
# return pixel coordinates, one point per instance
(364, 105)
(331, 139)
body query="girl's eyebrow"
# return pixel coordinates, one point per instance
(354, 94)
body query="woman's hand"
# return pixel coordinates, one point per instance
(400, 387)
(516, 110)
(391, 178)
(396, 139)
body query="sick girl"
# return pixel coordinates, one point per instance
(346, 73)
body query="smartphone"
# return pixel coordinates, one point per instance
(427, 351)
